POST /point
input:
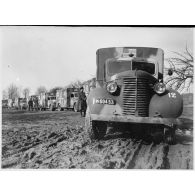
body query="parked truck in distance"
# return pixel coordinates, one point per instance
(21, 103)
(67, 99)
(47, 101)
(51, 102)
(4, 104)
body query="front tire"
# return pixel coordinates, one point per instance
(96, 130)
(75, 108)
(169, 135)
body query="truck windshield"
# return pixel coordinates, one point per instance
(145, 66)
(51, 98)
(114, 67)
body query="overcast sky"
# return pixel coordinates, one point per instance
(55, 56)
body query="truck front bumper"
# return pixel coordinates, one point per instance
(134, 119)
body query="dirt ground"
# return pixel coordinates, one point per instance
(55, 140)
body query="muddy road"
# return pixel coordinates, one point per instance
(42, 140)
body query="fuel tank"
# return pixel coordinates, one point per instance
(168, 105)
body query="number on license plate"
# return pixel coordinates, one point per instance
(104, 101)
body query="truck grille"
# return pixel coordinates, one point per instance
(136, 96)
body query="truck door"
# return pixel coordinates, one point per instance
(68, 100)
(71, 100)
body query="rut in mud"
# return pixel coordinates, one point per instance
(58, 140)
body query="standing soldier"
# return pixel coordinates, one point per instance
(30, 104)
(82, 101)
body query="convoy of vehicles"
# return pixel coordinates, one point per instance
(130, 91)
(63, 99)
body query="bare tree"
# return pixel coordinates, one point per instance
(75, 84)
(26, 92)
(13, 92)
(182, 67)
(4, 94)
(40, 90)
(53, 90)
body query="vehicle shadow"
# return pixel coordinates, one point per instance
(148, 139)
(184, 139)
(136, 137)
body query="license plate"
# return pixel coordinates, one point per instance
(104, 101)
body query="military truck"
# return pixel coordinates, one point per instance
(20, 103)
(4, 104)
(68, 99)
(23, 104)
(47, 101)
(51, 102)
(130, 92)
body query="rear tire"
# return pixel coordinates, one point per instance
(155, 134)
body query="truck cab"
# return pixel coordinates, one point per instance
(130, 90)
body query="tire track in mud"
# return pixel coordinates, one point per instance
(136, 155)
(153, 157)
(65, 144)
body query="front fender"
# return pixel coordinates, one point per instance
(168, 105)
(103, 109)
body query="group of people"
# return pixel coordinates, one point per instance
(33, 103)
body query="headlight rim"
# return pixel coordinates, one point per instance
(108, 84)
(157, 91)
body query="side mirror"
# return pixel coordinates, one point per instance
(170, 71)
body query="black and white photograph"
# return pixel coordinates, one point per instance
(96, 97)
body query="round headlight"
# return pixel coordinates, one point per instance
(160, 88)
(112, 87)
